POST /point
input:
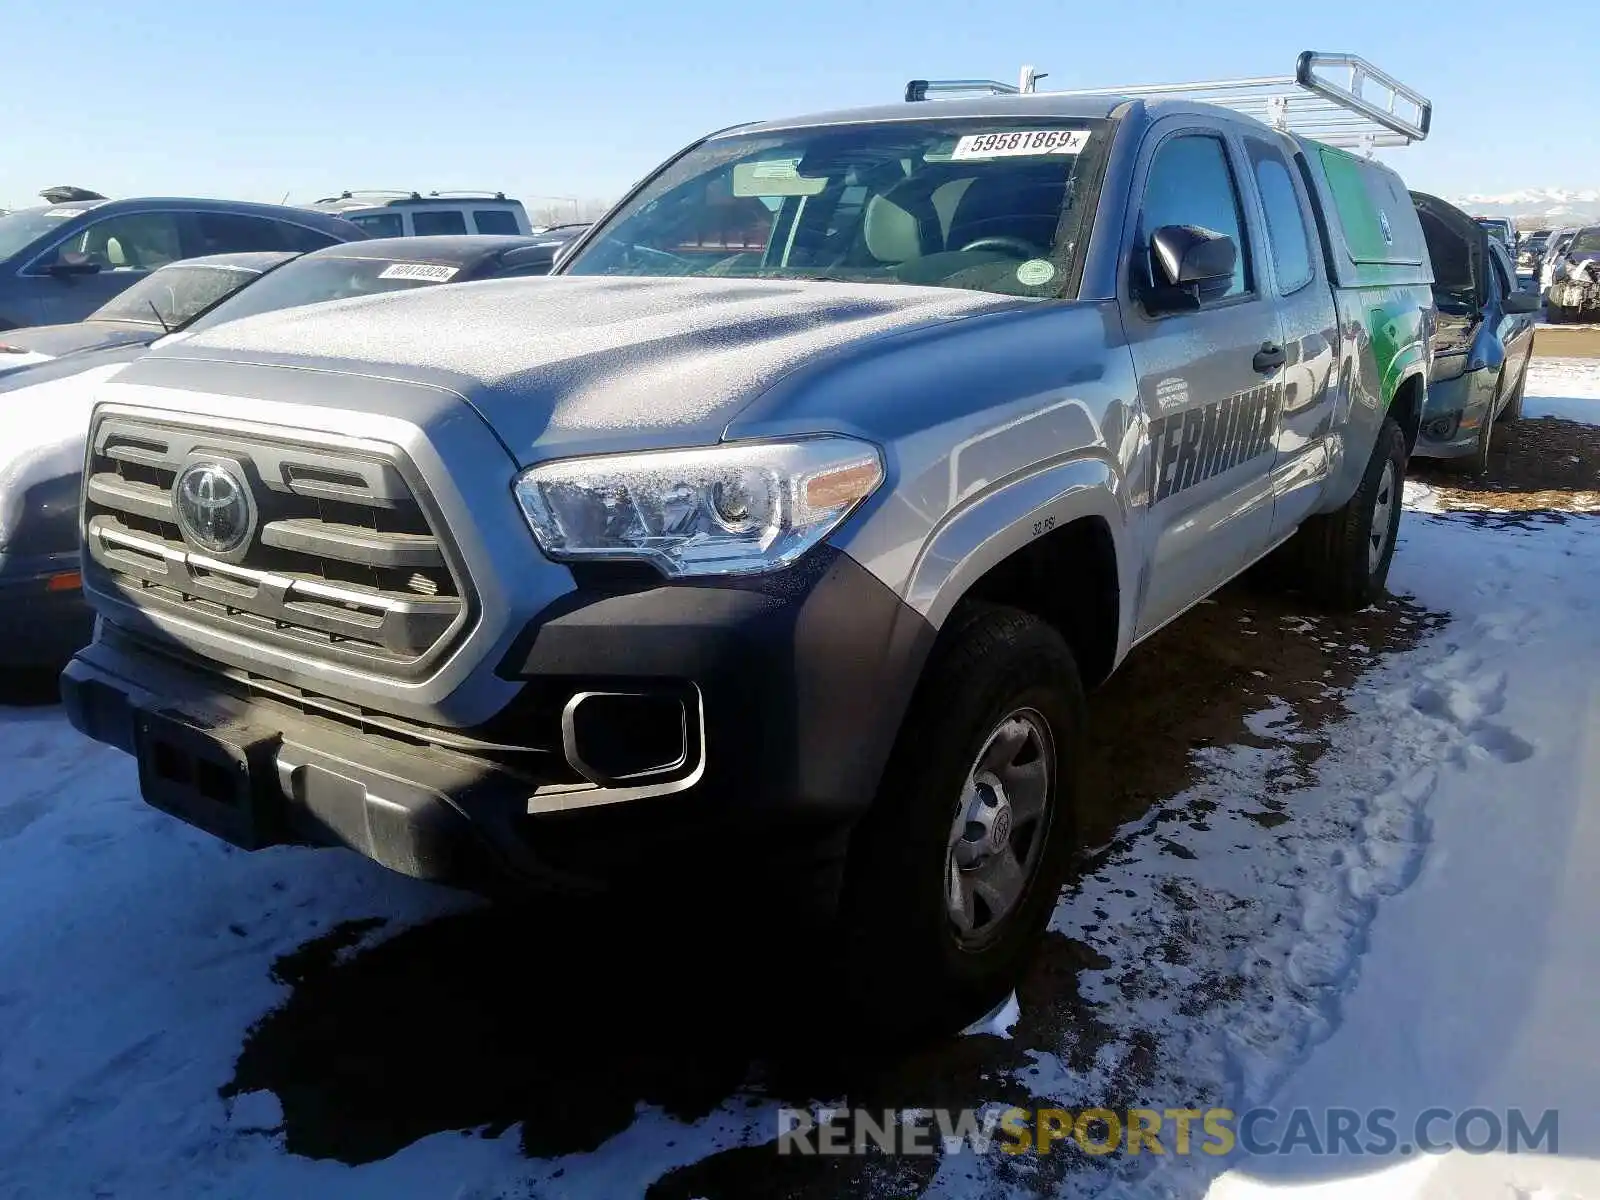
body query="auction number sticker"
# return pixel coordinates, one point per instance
(1014, 143)
(431, 272)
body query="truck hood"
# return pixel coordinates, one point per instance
(566, 365)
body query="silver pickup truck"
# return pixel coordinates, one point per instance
(777, 535)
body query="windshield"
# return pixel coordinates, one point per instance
(19, 229)
(172, 295)
(1587, 242)
(311, 280)
(991, 205)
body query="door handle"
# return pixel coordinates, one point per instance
(1268, 358)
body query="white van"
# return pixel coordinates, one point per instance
(412, 214)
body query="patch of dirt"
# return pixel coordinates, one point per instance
(1194, 683)
(1567, 341)
(1542, 464)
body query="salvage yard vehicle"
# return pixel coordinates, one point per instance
(1530, 251)
(775, 537)
(1555, 250)
(1575, 279)
(386, 214)
(166, 299)
(1483, 340)
(1502, 230)
(41, 456)
(61, 262)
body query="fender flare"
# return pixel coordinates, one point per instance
(971, 541)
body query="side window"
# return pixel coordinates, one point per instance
(1502, 276)
(300, 238)
(136, 242)
(380, 225)
(427, 222)
(495, 220)
(1190, 183)
(230, 233)
(1287, 236)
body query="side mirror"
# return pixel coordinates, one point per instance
(72, 262)
(1520, 302)
(1191, 265)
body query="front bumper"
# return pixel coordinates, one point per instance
(43, 615)
(1455, 411)
(653, 718)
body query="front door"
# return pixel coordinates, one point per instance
(125, 248)
(1209, 384)
(1516, 328)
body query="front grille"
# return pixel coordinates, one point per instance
(343, 562)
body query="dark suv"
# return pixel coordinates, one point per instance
(60, 262)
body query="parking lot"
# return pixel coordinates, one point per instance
(1266, 781)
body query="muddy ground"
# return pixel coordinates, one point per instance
(1576, 341)
(566, 1021)
(1542, 464)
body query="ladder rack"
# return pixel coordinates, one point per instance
(1338, 99)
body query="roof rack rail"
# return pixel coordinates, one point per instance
(470, 194)
(375, 193)
(1339, 99)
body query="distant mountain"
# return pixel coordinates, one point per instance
(1534, 208)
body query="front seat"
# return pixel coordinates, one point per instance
(115, 255)
(892, 232)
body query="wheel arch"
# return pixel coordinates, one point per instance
(1410, 398)
(1053, 545)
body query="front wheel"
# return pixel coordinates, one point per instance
(1342, 558)
(1513, 408)
(954, 873)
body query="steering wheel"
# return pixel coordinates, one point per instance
(1021, 247)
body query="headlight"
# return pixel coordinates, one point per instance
(726, 510)
(1448, 366)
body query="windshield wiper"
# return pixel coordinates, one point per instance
(160, 320)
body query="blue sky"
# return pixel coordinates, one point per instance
(581, 98)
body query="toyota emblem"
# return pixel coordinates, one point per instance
(215, 510)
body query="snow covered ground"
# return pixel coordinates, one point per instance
(1564, 387)
(1413, 928)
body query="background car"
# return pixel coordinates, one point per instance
(44, 413)
(1574, 292)
(1530, 251)
(60, 262)
(1502, 229)
(1483, 338)
(164, 300)
(1560, 239)
(411, 214)
(380, 265)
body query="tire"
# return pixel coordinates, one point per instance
(1513, 409)
(1340, 559)
(913, 970)
(1556, 314)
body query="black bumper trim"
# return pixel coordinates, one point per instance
(793, 690)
